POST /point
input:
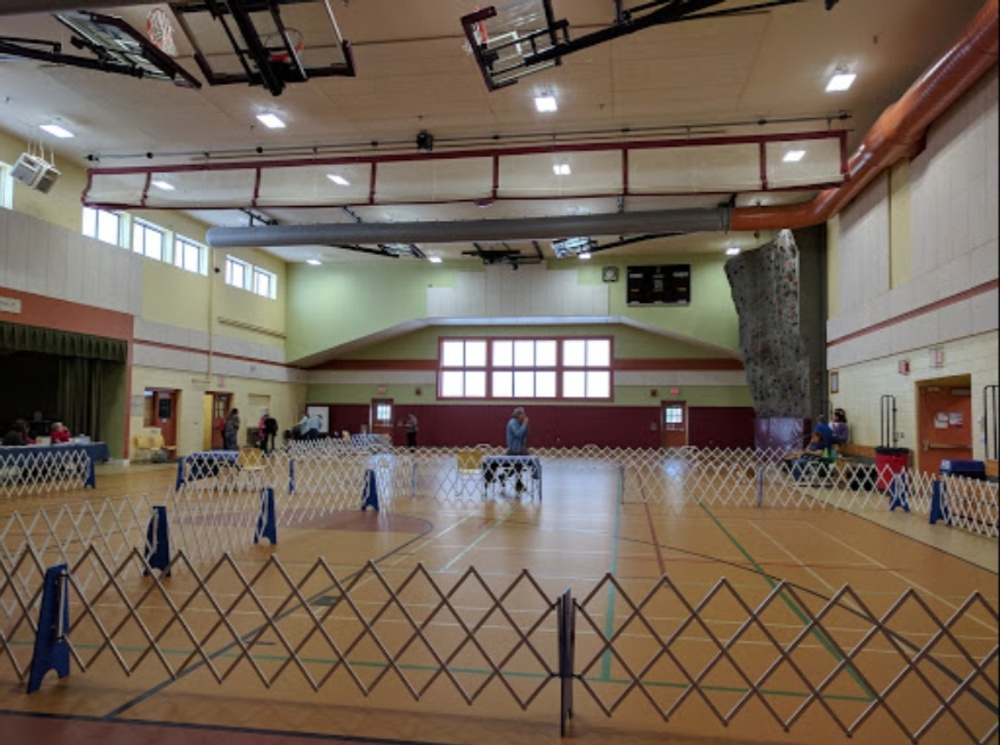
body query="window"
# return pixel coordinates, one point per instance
(525, 368)
(264, 283)
(103, 225)
(6, 187)
(464, 373)
(586, 368)
(190, 256)
(147, 240)
(246, 276)
(237, 273)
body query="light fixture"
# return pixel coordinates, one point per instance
(794, 156)
(584, 256)
(271, 121)
(56, 130)
(313, 262)
(434, 259)
(561, 169)
(162, 185)
(733, 251)
(546, 103)
(842, 80)
(338, 179)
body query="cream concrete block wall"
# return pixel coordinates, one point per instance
(944, 295)
(285, 401)
(862, 386)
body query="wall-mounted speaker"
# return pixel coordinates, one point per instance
(35, 172)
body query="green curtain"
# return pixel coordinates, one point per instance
(22, 338)
(79, 396)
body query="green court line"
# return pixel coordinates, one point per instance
(792, 606)
(483, 672)
(609, 614)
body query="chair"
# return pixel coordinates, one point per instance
(469, 465)
(250, 465)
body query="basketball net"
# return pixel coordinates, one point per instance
(479, 32)
(274, 41)
(160, 31)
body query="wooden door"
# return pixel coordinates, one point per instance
(381, 417)
(221, 404)
(945, 427)
(673, 424)
(163, 414)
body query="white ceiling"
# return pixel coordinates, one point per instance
(737, 77)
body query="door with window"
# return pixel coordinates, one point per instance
(161, 411)
(217, 406)
(673, 424)
(381, 417)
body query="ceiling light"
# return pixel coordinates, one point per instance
(564, 247)
(54, 129)
(583, 256)
(842, 80)
(794, 156)
(434, 259)
(561, 169)
(338, 180)
(163, 185)
(313, 262)
(733, 251)
(271, 121)
(546, 103)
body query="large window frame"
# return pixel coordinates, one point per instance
(6, 186)
(150, 240)
(190, 255)
(105, 226)
(246, 276)
(525, 369)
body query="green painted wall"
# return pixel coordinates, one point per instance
(335, 304)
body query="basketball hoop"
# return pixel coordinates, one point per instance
(479, 34)
(274, 43)
(160, 31)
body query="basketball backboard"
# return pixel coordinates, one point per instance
(116, 47)
(502, 37)
(264, 42)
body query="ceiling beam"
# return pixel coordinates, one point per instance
(22, 7)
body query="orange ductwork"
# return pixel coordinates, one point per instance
(898, 132)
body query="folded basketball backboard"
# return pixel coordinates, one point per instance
(264, 42)
(503, 39)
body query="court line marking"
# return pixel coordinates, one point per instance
(483, 536)
(908, 583)
(609, 614)
(794, 558)
(793, 607)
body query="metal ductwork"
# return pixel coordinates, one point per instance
(536, 228)
(898, 133)
(23, 7)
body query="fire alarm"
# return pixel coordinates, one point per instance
(904, 367)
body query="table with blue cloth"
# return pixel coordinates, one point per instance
(205, 464)
(527, 469)
(46, 461)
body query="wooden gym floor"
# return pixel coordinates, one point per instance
(572, 538)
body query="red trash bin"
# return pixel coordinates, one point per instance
(889, 462)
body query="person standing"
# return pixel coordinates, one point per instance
(517, 442)
(231, 431)
(412, 426)
(268, 432)
(517, 433)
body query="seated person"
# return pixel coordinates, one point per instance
(60, 433)
(839, 428)
(13, 438)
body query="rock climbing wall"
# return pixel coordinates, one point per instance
(765, 285)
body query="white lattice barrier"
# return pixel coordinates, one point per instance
(34, 472)
(59, 535)
(330, 475)
(914, 663)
